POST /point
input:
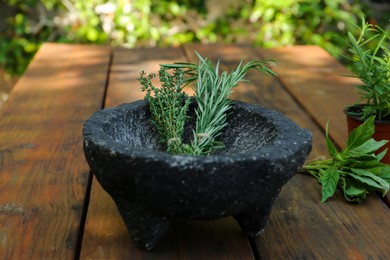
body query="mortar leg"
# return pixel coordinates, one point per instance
(145, 229)
(253, 220)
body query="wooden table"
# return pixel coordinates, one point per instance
(52, 208)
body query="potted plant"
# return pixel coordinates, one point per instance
(370, 57)
(205, 157)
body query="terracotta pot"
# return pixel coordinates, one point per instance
(382, 130)
(263, 150)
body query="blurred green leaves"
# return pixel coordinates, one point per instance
(266, 23)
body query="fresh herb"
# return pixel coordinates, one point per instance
(357, 169)
(372, 66)
(212, 89)
(168, 106)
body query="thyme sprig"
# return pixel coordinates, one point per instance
(212, 89)
(168, 106)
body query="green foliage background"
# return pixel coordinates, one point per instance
(25, 24)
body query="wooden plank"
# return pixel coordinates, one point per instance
(213, 239)
(105, 235)
(43, 174)
(300, 226)
(315, 80)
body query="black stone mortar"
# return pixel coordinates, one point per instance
(263, 150)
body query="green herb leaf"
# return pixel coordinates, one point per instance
(364, 162)
(331, 147)
(382, 172)
(367, 147)
(353, 193)
(381, 154)
(361, 134)
(329, 180)
(370, 179)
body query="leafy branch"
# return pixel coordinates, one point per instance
(357, 169)
(212, 90)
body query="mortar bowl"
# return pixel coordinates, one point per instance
(263, 150)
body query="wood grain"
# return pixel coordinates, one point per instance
(302, 227)
(212, 239)
(43, 174)
(315, 79)
(105, 235)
